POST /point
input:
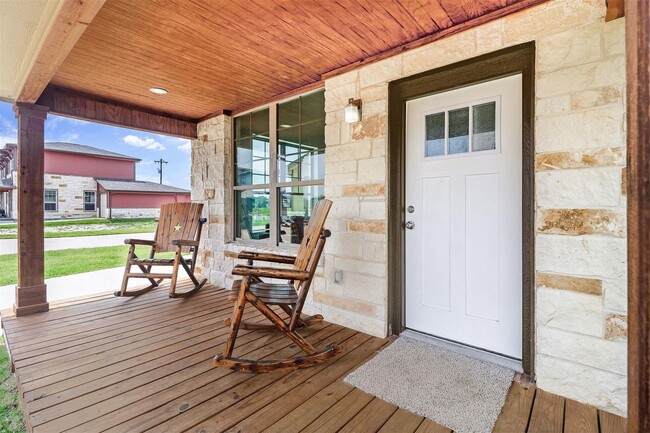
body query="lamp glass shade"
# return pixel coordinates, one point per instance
(352, 113)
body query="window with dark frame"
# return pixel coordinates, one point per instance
(90, 201)
(279, 169)
(50, 200)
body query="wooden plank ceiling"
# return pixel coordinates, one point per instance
(234, 54)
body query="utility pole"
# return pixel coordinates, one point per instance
(160, 163)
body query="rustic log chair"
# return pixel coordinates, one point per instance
(179, 230)
(289, 296)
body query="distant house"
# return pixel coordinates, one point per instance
(85, 181)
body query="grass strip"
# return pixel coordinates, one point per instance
(11, 417)
(59, 263)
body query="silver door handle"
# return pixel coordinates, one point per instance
(410, 225)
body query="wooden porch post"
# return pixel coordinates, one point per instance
(31, 296)
(638, 180)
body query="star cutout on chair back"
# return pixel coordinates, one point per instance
(177, 227)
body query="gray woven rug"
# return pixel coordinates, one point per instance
(459, 392)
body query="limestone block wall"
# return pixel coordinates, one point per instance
(581, 294)
(580, 195)
(70, 195)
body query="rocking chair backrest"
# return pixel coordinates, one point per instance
(312, 234)
(178, 221)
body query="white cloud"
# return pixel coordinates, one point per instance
(186, 146)
(4, 139)
(147, 143)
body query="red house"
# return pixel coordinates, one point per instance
(85, 181)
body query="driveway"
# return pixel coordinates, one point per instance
(10, 246)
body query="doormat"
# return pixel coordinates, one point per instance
(459, 392)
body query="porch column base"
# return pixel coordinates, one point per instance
(30, 300)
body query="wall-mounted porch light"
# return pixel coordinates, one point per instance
(353, 110)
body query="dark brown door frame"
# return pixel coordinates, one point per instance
(638, 213)
(519, 59)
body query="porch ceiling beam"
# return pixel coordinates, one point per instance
(72, 19)
(638, 211)
(70, 103)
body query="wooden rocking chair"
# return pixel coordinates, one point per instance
(179, 230)
(289, 296)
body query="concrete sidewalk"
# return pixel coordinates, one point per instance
(71, 286)
(10, 246)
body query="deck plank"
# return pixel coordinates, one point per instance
(402, 421)
(610, 423)
(371, 418)
(429, 426)
(145, 363)
(516, 410)
(580, 418)
(548, 413)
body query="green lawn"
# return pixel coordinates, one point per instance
(73, 261)
(64, 229)
(11, 418)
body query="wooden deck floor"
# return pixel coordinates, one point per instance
(145, 364)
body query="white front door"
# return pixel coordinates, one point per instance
(464, 207)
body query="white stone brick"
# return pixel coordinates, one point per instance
(443, 52)
(375, 251)
(489, 37)
(337, 97)
(332, 134)
(583, 383)
(364, 266)
(596, 352)
(342, 79)
(610, 71)
(572, 47)
(589, 187)
(341, 167)
(365, 324)
(614, 37)
(554, 105)
(571, 311)
(372, 170)
(345, 244)
(615, 292)
(347, 152)
(601, 127)
(345, 207)
(582, 256)
(373, 210)
(381, 72)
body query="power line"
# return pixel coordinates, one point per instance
(160, 163)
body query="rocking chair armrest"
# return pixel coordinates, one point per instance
(267, 257)
(257, 271)
(185, 243)
(139, 242)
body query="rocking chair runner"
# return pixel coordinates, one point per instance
(290, 297)
(179, 230)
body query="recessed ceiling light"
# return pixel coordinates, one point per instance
(158, 90)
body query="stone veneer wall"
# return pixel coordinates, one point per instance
(581, 290)
(70, 195)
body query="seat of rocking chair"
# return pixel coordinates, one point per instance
(155, 262)
(274, 294)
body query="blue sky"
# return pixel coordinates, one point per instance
(146, 146)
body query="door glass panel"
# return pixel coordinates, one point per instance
(434, 144)
(312, 150)
(459, 130)
(296, 205)
(484, 127)
(254, 216)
